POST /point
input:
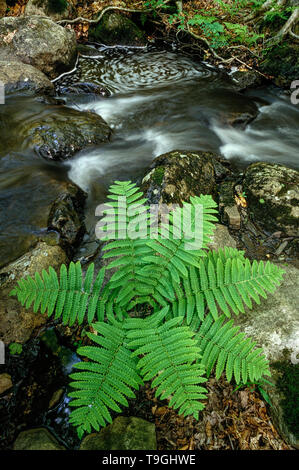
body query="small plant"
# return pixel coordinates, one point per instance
(15, 348)
(163, 316)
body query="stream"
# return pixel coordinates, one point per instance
(160, 101)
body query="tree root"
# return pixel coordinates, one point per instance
(286, 29)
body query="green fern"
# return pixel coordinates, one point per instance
(183, 296)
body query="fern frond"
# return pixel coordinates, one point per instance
(224, 281)
(169, 357)
(67, 297)
(223, 346)
(106, 380)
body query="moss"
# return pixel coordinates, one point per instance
(282, 60)
(288, 384)
(158, 175)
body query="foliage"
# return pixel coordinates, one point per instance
(15, 348)
(157, 318)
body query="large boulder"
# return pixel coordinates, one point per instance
(123, 434)
(117, 29)
(274, 325)
(17, 323)
(39, 42)
(23, 78)
(62, 131)
(175, 176)
(273, 197)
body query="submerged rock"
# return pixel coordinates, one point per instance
(16, 322)
(273, 197)
(123, 434)
(274, 325)
(62, 132)
(39, 42)
(37, 439)
(116, 29)
(23, 78)
(177, 175)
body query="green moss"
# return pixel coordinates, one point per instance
(158, 175)
(288, 384)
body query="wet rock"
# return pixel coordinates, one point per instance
(247, 79)
(221, 238)
(38, 42)
(273, 197)
(62, 132)
(23, 78)
(37, 439)
(231, 215)
(123, 434)
(55, 399)
(116, 29)
(5, 383)
(67, 218)
(85, 88)
(274, 325)
(17, 323)
(54, 9)
(175, 176)
(234, 109)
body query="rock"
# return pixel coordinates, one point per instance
(247, 79)
(62, 131)
(5, 383)
(221, 238)
(116, 29)
(234, 109)
(37, 439)
(67, 218)
(177, 175)
(16, 322)
(49, 210)
(56, 397)
(85, 88)
(231, 215)
(55, 9)
(274, 325)
(273, 197)
(25, 79)
(123, 434)
(38, 42)
(3, 7)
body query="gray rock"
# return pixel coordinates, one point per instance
(248, 79)
(25, 79)
(37, 439)
(17, 323)
(273, 197)
(231, 215)
(123, 434)
(274, 325)
(177, 175)
(116, 29)
(62, 131)
(221, 238)
(38, 42)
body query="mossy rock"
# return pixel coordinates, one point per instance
(176, 176)
(117, 29)
(273, 197)
(282, 62)
(37, 439)
(125, 433)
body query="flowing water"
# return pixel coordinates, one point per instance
(160, 101)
